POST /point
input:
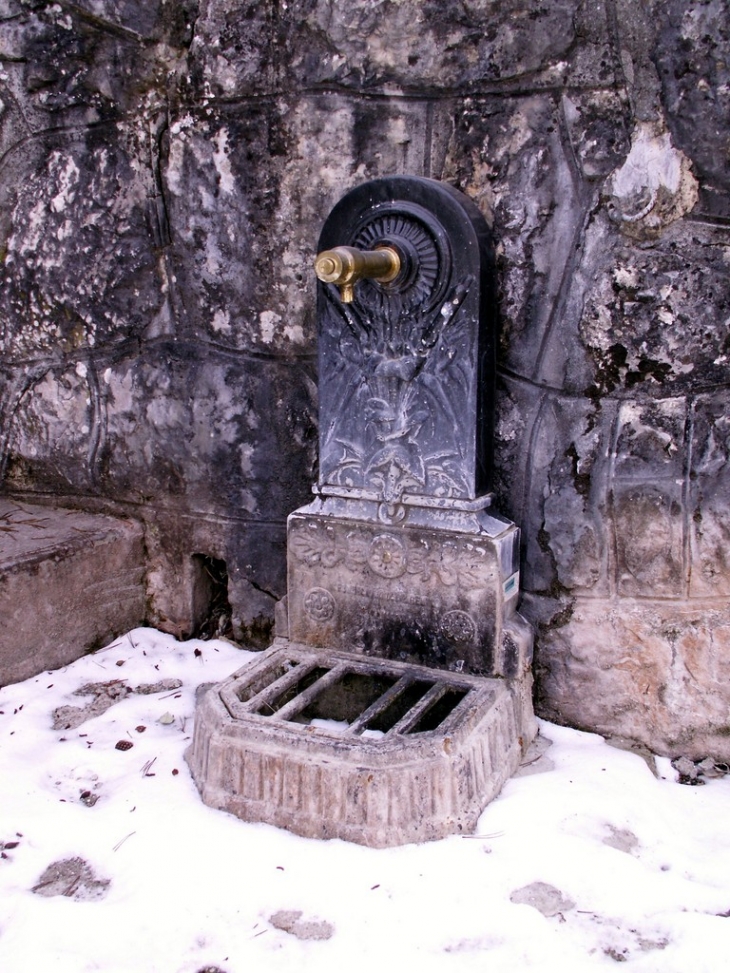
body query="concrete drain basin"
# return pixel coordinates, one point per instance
(329, 744)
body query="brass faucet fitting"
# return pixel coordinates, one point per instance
(345, 266)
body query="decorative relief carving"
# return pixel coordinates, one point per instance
(406, 359)
(399, 380)
(391, 513)
(453, 561)
(387, 556)
(315, 545)
(459, 627)
(319, 604)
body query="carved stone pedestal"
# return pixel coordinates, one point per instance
(437, 588)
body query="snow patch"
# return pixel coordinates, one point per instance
(110, 861)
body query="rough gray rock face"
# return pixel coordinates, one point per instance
(165, 171)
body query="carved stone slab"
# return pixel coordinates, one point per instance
(417, 593)
(406, 369)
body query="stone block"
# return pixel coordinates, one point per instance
(653, 671)
(69, 583)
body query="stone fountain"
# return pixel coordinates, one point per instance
(396, 699)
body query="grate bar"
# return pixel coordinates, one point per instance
(380, 704)
(280, 686)
(416, 712)
(300, 702)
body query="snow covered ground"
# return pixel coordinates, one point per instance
(586, 860)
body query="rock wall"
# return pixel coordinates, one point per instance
(165, 168)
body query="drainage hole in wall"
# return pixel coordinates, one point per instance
(211, 608)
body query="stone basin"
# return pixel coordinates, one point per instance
(330, 744)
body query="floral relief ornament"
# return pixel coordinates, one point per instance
(452, 562)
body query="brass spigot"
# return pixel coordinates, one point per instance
(345, 266)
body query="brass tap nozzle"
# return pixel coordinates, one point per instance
(345, 266)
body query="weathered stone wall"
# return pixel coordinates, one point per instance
(165, 168)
